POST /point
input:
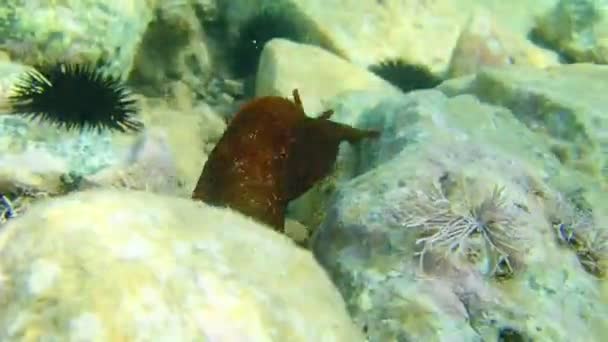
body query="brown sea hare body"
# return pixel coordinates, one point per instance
(270, 154)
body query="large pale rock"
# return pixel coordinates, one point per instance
(435, 166)
(113, 266)
(485, 41)
(34, 31)
(319, 75)
(563, 104)
(190, 130)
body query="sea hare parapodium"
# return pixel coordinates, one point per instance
(270, 154)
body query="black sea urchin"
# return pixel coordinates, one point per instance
(75, 96)
(407, 77)
(256, 32)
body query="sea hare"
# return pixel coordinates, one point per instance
(270, 154)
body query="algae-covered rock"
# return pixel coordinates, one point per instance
(175, 47)
(36, 155)
(449, 232)
(578, 29)
(565, 105)
(35, 31)
(112, 266)
(481, 43)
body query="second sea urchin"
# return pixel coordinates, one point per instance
(254, 33)
(405, 76)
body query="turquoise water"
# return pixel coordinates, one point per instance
(456, 193)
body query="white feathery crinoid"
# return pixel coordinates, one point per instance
(446, 230)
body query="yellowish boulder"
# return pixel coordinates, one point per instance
(132, 266)
(318, 74)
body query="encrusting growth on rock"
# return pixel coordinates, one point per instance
(270, 154)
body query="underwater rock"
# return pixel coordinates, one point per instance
(371, 31)
(174, 47)
(190, 129)
(149, 165)
(36, 154)
(576, 29)
(76, 31)
(564, 105)
(486, 41)
(114, 265)
(9, 74)
(478, 45)
(321, 76)
(444, 234)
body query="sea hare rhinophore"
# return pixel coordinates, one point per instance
(270, 154)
